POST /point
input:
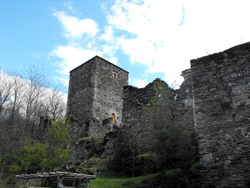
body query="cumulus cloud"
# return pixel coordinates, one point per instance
(139, 49)
(113, 60)
(70, 6)
(138, 83)
(152, 25)
(83, 43)
(108, 34)
(63, 80)
(164, 35)
(9, 84)
(72, 56)
(75, 27)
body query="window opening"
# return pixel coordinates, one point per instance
(114, 75)
(113, 118)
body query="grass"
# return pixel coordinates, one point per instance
(194, 167)
(92, 138)
(110, 179)
(172, 171)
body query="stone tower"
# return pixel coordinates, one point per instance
(95, 96)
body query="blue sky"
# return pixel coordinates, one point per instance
(147, 38)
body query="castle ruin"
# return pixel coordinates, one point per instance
(95, 96)
(213, 100)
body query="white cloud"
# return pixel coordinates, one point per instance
(108, 49)
(75, 27)
(64, 81)
(165, 35)
(9, 84)
(153, 25)
(108, 34)
(70, 6)
(83, 43)
(139, 49)
(72, 56)
(138, 82)
(217, 25)
(113, 60)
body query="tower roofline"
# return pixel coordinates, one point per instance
(98, 58)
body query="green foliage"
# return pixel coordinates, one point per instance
(126, 156)
(167, 140)
(89, 138)
(172, 147)
(94, 162)
(172, 171)
(149, 155)
(194, 167)
(31, 157)
(173, 178)
(14, 168)
(110, 179)
(47, 157)
(59, 134)
(158, 143)
(11, 180)
(1, 160)
(59, 140)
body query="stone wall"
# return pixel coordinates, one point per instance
(221, 84)
(213, 100)
(95, 93)
(184, 105)
(81, 92)
(108, 91)
(134, 101)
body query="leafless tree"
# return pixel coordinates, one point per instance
(55, 105)
(5, 93)
(33, 92)
(24, 98)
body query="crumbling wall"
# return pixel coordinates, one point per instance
(94, 147)
(221, 84)
(213, 100)
(134, 101)
(184, 105)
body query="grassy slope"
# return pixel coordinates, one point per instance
(112, 180)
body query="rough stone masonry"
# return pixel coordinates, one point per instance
(221, 87)
(213, 100)
(95, 96)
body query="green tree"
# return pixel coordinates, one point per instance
(32, 157)
(127, 150)
(156, 142)
(58, 144)
(166, 139)
(48, 156)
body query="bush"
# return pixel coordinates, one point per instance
(94, 162)
(14, 168)
(39, 156)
